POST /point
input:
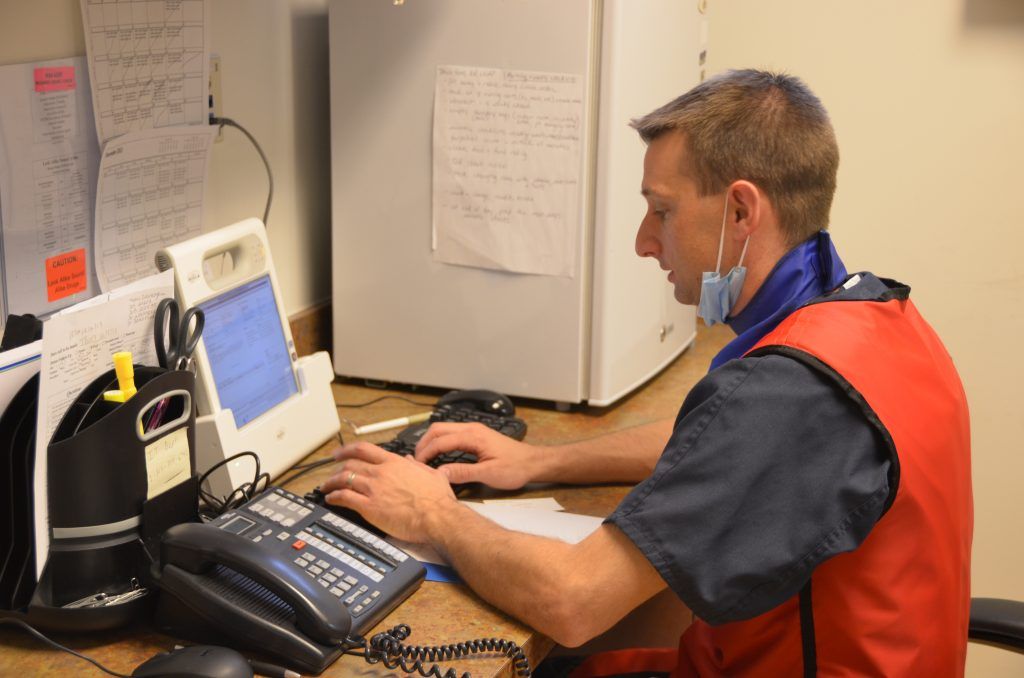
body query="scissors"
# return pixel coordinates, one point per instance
(175, 341)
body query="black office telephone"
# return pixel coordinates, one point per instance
(282, 576)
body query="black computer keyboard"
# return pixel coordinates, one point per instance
(405, 442)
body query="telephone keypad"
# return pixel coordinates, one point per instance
(343, 558)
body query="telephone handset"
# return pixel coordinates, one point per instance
(190, 554)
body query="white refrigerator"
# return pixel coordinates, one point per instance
(401, 316)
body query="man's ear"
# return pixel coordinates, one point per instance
(748, 209)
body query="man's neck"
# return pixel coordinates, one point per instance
(760, 263)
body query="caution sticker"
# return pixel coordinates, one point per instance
(65, 275)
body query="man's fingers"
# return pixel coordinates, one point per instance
(440, 445)
(465, 437)
(362, 450)
(340, 479)
(437, 430)
(460, 473)
(349, 499)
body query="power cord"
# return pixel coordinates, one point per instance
(377, 400)
(262, 668)
(221, 122)
(54, 644)
(387, 648)
(306, 468)
(303, 469)
(215, 506)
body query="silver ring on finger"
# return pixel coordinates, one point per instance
(351, 478)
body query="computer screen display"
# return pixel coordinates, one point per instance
(247, 352)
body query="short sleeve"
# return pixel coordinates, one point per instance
(771, 469)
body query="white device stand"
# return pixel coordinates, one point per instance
(279, 441)
(206, 267)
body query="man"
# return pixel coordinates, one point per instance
(811, 503)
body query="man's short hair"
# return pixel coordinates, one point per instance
(766, 128)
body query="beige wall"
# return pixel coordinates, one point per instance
(927, 98)
(274, 63)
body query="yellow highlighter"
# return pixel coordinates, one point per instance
(125, 371)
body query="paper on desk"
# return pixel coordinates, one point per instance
(150, 194)
(507, 167)
(76, 348)
(544, 503)
(17, 366)
(48, 163)
(148, 63)
(568, 527)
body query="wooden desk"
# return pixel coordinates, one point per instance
(437, 613)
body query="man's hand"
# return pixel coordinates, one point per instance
(397, 494)
(503, 463)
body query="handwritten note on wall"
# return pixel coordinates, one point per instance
(507, 169)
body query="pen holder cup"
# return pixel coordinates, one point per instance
(116, 479)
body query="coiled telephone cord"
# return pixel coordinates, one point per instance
(388, 648)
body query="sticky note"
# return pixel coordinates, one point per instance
(167, 462)
(65, 275)
(54, 79)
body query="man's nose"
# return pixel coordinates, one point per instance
(646, 244)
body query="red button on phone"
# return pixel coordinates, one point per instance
(299, 545)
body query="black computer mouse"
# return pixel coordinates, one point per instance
(199, 661)
(481, 400)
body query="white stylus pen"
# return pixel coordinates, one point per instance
(392, 423)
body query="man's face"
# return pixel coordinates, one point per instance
(681, 229)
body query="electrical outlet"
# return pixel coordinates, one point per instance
(216, 98)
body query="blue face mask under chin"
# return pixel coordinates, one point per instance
(718, 294)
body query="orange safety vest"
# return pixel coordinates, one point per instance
(897, 605)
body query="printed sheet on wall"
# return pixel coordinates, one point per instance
(48, 163)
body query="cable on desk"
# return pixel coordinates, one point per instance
(387, 648)
(62, 648)
(239, 495)
(377, 400)
(221, 122)
(304, 469)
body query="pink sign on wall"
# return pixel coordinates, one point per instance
(55, 79)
